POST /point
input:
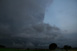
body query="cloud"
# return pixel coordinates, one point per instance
(35, 35)
(19, 13)
(21, 24)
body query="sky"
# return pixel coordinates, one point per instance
(28, 24)
(63, 14)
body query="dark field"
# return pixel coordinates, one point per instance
(9, 49)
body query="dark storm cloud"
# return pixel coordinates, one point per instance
(36, 36)
(17, 13)
(21, 24)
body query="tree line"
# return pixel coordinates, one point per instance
(52, 46)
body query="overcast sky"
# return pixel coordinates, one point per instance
(26, 23)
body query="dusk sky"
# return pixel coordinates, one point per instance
(38, 23)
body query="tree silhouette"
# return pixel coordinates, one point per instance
(53, 46)
(66, 47)
(69, 47)
(1, 46)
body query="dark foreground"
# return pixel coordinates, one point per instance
(10, 49)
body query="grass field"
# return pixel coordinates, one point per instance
(8, 49)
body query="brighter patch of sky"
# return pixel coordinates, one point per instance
(63, 14)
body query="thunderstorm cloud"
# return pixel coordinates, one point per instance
(21, 24)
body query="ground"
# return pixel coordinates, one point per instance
(9, 49)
